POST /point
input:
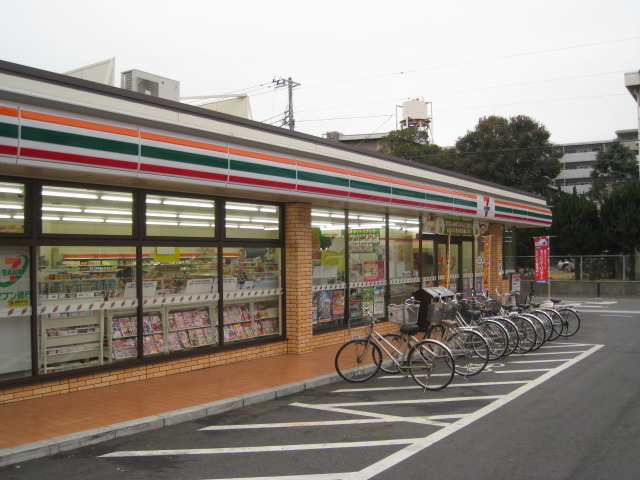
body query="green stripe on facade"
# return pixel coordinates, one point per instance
(319, 178)
(525, 213)
(403, 192)
(184, 157)
(8, 130)
(262, 169)
(374, 187)
(80, 141)
(438, 198)
(466, 203)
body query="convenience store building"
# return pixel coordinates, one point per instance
(142, 237)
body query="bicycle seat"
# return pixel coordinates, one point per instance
(555, 301)
(448, 323)
(474, 313)
(409, 329)
(535, 305)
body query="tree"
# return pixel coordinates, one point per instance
(576, 226)
(413, 144)
(620, 224)
(514, 152)
(615, 164)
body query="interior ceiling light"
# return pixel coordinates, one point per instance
(153, 200)
(50, 218)
(268, 209)
(107, 212)
(238, 219)
(83, 219)
(118, 220)
(162, 214)
(116, 198)
(10, 190)
(265, 220)
(47, 208)
(55, 193)
(14, 206)
(184, 203)
(196, 217)
(247, 208)
(193, 224)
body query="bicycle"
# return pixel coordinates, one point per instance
(429, 362)
(569, 315)
(469, 347)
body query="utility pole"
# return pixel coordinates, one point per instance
(288, 114)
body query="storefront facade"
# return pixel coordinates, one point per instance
(141, 237)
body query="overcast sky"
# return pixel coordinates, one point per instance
(561, 62)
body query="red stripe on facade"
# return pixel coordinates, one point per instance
(261, 182)
(78, 159)
(7, 150)
(407, 202)
(183, 172)
(328, 191)
(370, 197)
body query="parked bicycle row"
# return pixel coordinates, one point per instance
(451, 334)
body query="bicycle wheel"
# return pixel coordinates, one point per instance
(570, 321)
(557, 323)
(358, 360)
(431, 364)
(547, 324)
(514, 336)
(537, 324)
(496, 336)
(388, 365)
(470, 352)
(527, 334)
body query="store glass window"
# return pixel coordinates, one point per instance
(252, 293)
(509, 249)
(328, 267)
(247, 220)
(180, 292)
(81, 211)
(404, 257)
(12, 207)
(428, 263)
(15, 311)
(467, 262)
(367, 265)
(86, 306)
(186, 217)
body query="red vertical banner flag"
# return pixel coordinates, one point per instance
(541, 259)
(486, 268)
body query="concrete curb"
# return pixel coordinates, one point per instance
(63, 443)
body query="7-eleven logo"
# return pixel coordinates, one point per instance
(13, 269)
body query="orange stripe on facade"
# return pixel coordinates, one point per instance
(541, 210)
(450, 192)
(100, 127)
(326, 168)
(369, 176)
(407, 184)
(8, 111)
(261, 156)
(181, 141)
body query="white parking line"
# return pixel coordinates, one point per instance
(269, 448)
(524, 371)
(426, 442)
(541, 361)
(415, 402)
(391, 418)
(417, 387)
(293, 424)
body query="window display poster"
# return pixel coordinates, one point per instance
(373, 270)
(337, 303)
(14, 277)
(324, 306)
(367, 299)
(378, 300)
(355, 302)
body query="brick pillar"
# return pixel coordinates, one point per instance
(298, 277)
(495, 230)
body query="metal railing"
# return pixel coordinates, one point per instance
(585, 267)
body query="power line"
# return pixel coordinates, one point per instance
(470, 62)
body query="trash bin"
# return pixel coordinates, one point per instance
(427, 296)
